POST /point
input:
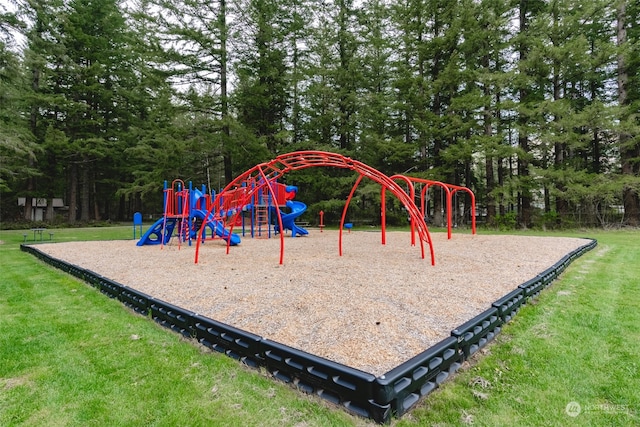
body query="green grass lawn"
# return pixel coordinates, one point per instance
(71, 356)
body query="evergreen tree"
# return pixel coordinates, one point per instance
(489, 48)
(529, 88)
(297, 36)
(485, 78)
(573, 117)
(334, 76)
(81, 75)
(515, 99)
(40, 28)
(262, 96)
(411, 67)
(428, 80)
(150, 144)
(375, 146)
(628, 38)
(320, 105)
(95, 83)
(17, 147)
(195, 36)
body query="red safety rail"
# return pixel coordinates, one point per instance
(280, 193)
(175, 197)
(232, 200)
(269, 171)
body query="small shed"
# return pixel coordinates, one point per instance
(39, 206)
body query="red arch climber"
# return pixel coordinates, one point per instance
(449, 190)
(261, 176)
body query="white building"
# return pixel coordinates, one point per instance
(39, 207)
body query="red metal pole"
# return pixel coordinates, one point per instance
(344, 211)
(473, 212)
(412, 194)
(383, 214)
(278, 213)
(448, 212)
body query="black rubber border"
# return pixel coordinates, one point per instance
(378, 398)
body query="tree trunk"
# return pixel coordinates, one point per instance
(345, 89)
(628, 150)
(73, 192)
(466, 199)
(50, 217)
(491, 185)
(28, 207)
(85, 194)
(502, 209)
(224, 98)
(489, 170)
(562, 206)
(96, 205)
(524, 195)
(33, 121)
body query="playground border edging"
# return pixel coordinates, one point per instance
(361, 393)
(509, 305)
(478, 332)
(403, 386)
(235, 343)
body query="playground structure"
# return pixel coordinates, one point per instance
(188, 212)
(266, 172)
(255, 200)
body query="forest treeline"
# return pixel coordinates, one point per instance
(533, 104)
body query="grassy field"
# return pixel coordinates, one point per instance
(71, 356)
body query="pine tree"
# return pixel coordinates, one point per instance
(374, 104)
(82, 74)
(485, 30)
(428, 81)
(529, 88)
(40, 28)
(573, 114)
(262, 97)
(628, 35)
(17, 147)
(195, 37)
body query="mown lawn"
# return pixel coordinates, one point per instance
(71, 356)
(572, 358)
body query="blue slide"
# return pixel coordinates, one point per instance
(297, 209)
(154, 233)
(217, 227)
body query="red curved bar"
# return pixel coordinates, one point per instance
(344, 212)
(450, 190)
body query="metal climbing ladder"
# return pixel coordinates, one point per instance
(261, 214)
(261, 227)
